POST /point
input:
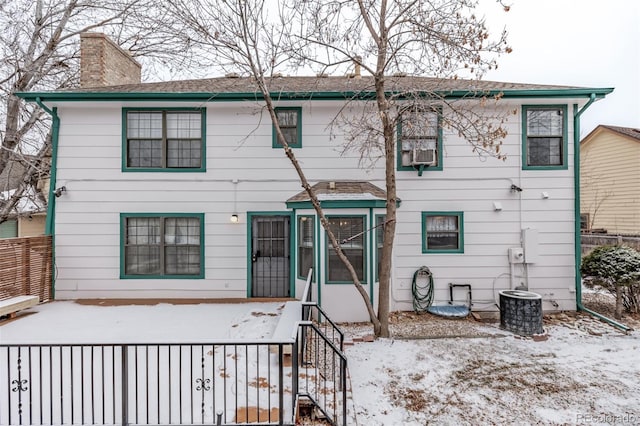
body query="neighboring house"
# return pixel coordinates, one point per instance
(610, 180)
(28, 217)
(179, 190)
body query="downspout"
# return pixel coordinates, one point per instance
(50, 224)
(578, 243)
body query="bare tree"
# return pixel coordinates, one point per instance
(39, 50)
(442, 39)
(438, 38)
(245, 38)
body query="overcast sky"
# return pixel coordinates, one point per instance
(587, 43)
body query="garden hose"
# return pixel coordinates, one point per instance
(422, 293)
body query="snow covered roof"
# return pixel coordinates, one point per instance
(342, 191)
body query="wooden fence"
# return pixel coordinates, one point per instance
(591, 241)
(25, 267)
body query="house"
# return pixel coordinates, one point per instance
(28, 217)
(179, 190)
(610, 180)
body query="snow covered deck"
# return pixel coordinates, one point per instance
(231, 358)
(106, 322)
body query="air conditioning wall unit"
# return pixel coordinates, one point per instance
(423, 157)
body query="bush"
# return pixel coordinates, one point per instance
(616, 269)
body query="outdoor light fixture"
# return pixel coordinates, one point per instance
(58, 192)
(234, 217)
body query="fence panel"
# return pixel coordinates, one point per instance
(147, 384)
(25, 267)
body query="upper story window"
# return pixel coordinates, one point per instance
(442, 232)
(164, 140)
(544, 137)
(290, 121)
(156, 245)
(420, 140)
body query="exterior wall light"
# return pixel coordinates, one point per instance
(234, 218)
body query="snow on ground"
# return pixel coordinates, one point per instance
(585, 372)
(70, 322)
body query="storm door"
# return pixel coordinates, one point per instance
(270, 256)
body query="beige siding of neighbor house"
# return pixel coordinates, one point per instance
(31, 226)
(610, 181)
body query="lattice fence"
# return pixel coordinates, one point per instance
(25, 267)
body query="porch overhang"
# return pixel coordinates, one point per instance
(342, 195)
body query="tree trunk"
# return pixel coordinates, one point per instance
(618, 313)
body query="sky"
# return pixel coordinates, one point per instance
(586, 43)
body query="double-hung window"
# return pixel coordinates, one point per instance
(164, 140)
(348, 230)
(544, 137)
(442, 232)
(420, 140)
(306, 242)
(162, 245)
(290, 122)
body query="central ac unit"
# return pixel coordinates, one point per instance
(423, 156)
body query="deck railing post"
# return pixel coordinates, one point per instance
(280, 384)
(125, 385)
(294, 371)
(343, 385)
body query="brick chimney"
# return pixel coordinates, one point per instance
(104, 63)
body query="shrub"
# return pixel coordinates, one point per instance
(616, 269)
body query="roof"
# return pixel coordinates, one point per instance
(339, 194)
(631, 132)
(627, 131)
(342, 190)
(236, 88)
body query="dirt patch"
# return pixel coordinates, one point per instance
(604, 303)
(410, 325)
(256, 415)
(263, 314)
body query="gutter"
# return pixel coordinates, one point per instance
(306, 95)
(578, 244)
(50, 224)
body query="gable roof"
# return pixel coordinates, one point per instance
(344, 193)
(631, 132)
(236, 88)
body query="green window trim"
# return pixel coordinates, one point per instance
(564, 146)
(460, 232)
(301, 245)
(439, 149)
(298, 127)
(329, 248)
(9, 228)
(165, 169)
(380, 219)
(123, 236)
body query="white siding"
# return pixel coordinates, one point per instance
(239, 147)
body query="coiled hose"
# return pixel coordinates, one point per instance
(422, 292)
